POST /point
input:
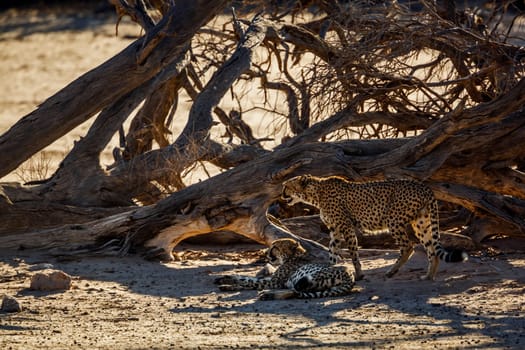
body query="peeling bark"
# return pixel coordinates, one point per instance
(463, 130)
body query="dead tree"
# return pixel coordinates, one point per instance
(369, 94)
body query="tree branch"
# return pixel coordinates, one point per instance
(99, 87)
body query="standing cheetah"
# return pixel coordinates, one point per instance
(350, 208)
(298, 274)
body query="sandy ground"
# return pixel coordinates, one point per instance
(129, 303)
(43, 51)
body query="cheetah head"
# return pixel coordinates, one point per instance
(283, 250)
(298, 189)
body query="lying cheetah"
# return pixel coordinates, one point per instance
(350, 208)
(302, 278)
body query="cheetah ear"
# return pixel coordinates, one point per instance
(305, 179)
(298, 247)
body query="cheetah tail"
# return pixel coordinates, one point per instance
(452, 255)
(335, 291)
(447, 255)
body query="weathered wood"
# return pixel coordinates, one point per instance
(20, 218)
(466, 131)
(98, 88)
(80, 180)
(224, 202)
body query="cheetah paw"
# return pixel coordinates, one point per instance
(276, 294)
(225, 280)
(228, 287)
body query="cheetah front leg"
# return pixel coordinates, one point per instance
(335, 246)
(351, 241)
(234, 282)
(345, 235)
(237, 282)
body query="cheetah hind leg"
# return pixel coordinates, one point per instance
(426, 230)
(406, 252)
(433, 263)
(354, 255)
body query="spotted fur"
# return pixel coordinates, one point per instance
(350, 208)
(296, 273)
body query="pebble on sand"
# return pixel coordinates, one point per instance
(10, 304)
(49, 280)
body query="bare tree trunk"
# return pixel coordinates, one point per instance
(229, 202)
(465, 123)
(112, 80)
